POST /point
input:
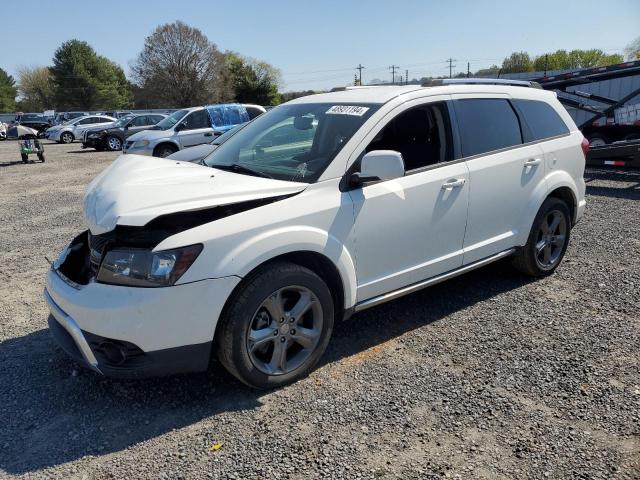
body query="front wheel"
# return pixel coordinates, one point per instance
(276, 327)
(114, 144)
(165, 150)
(66, 137)
(548, 240)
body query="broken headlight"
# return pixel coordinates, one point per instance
(144, 268)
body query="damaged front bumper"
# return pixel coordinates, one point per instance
(133, 332)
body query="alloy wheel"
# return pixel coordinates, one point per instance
(551, 240)
(114, 143)
(285, 330)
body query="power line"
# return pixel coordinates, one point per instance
(393, 69)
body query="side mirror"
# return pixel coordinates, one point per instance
(379, 165)
(180, 126)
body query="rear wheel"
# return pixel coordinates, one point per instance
(25, 157)
(276, 327)
(41, 157)
(598, 141)
(548, 240)
(164, 150)
(114, 143)
(66, 137)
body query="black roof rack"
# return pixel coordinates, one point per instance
(481, 81)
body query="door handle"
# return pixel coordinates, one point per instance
(451, 184)
(208, 134)
(532, 162)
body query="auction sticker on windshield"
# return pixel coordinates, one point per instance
(348, 110)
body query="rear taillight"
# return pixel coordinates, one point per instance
(585, 146)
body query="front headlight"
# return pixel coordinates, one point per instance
(144, 268)
(140, 143)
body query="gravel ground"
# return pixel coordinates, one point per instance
(490, 375)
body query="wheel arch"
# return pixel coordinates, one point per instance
(165, 142)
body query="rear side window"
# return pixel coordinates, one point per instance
(486, 124)
(543, 121)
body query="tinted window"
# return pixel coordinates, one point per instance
(153, 119)
(86, 121)
(486, 124)
(422, 135)
(197, 119)
(139, 121)
(542, 120)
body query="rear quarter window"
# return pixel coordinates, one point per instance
(486, 124)
(543, 121)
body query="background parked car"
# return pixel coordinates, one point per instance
(37, 121)
(113, 137)
(74, 129)
(63, 117)
(186, 128)
(3, 131)
(199, 152)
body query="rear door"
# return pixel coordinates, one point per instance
(198, 129)
(503, 172)
(137, 125)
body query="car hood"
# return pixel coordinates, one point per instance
(193, 154)
(150, 135)
(135, 189)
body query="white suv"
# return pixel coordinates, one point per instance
(320, 208)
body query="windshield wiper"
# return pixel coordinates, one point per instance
(236, 167)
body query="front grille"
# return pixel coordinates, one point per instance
(97, 245)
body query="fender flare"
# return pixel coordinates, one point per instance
(291, 239)
(554, 180)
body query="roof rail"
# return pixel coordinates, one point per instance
(481, 81)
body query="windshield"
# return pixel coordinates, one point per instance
(122, 121)
(171, 120)
(292, 142)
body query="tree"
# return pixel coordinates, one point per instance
(492, 71)
(253, 81)
(632, 51)
(517, 62)
(179, 66)
(35, 86)
(8, 92)
(563, 60)
(84, 79)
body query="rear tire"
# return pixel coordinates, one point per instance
(548, 240)
(276, 326)
(598, 141)
(165, 150)
(41, 157)
(25, 158)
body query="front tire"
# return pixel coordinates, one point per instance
(114, 144)
(66, 137)
(276, 327)
(548, 240)
(165, 150)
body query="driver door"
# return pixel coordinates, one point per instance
(197, 129)
(411, 228)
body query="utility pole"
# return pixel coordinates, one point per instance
(468, 70)
(451, 65)
(360, 67)
(406, 77)
(393, 69)
(355, 79)
(546, 64)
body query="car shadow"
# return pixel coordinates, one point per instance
(18, 162)
(55, 412)
(622, 183)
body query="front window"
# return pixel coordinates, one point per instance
(171, 120)
(292, 142)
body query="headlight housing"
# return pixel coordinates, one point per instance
(136, 267)
(140, 143)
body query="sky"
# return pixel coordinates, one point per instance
(318, 44)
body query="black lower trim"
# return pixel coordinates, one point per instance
(130, 361)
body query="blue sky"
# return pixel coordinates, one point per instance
(317, 44)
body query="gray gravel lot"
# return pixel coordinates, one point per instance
(490, 375)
